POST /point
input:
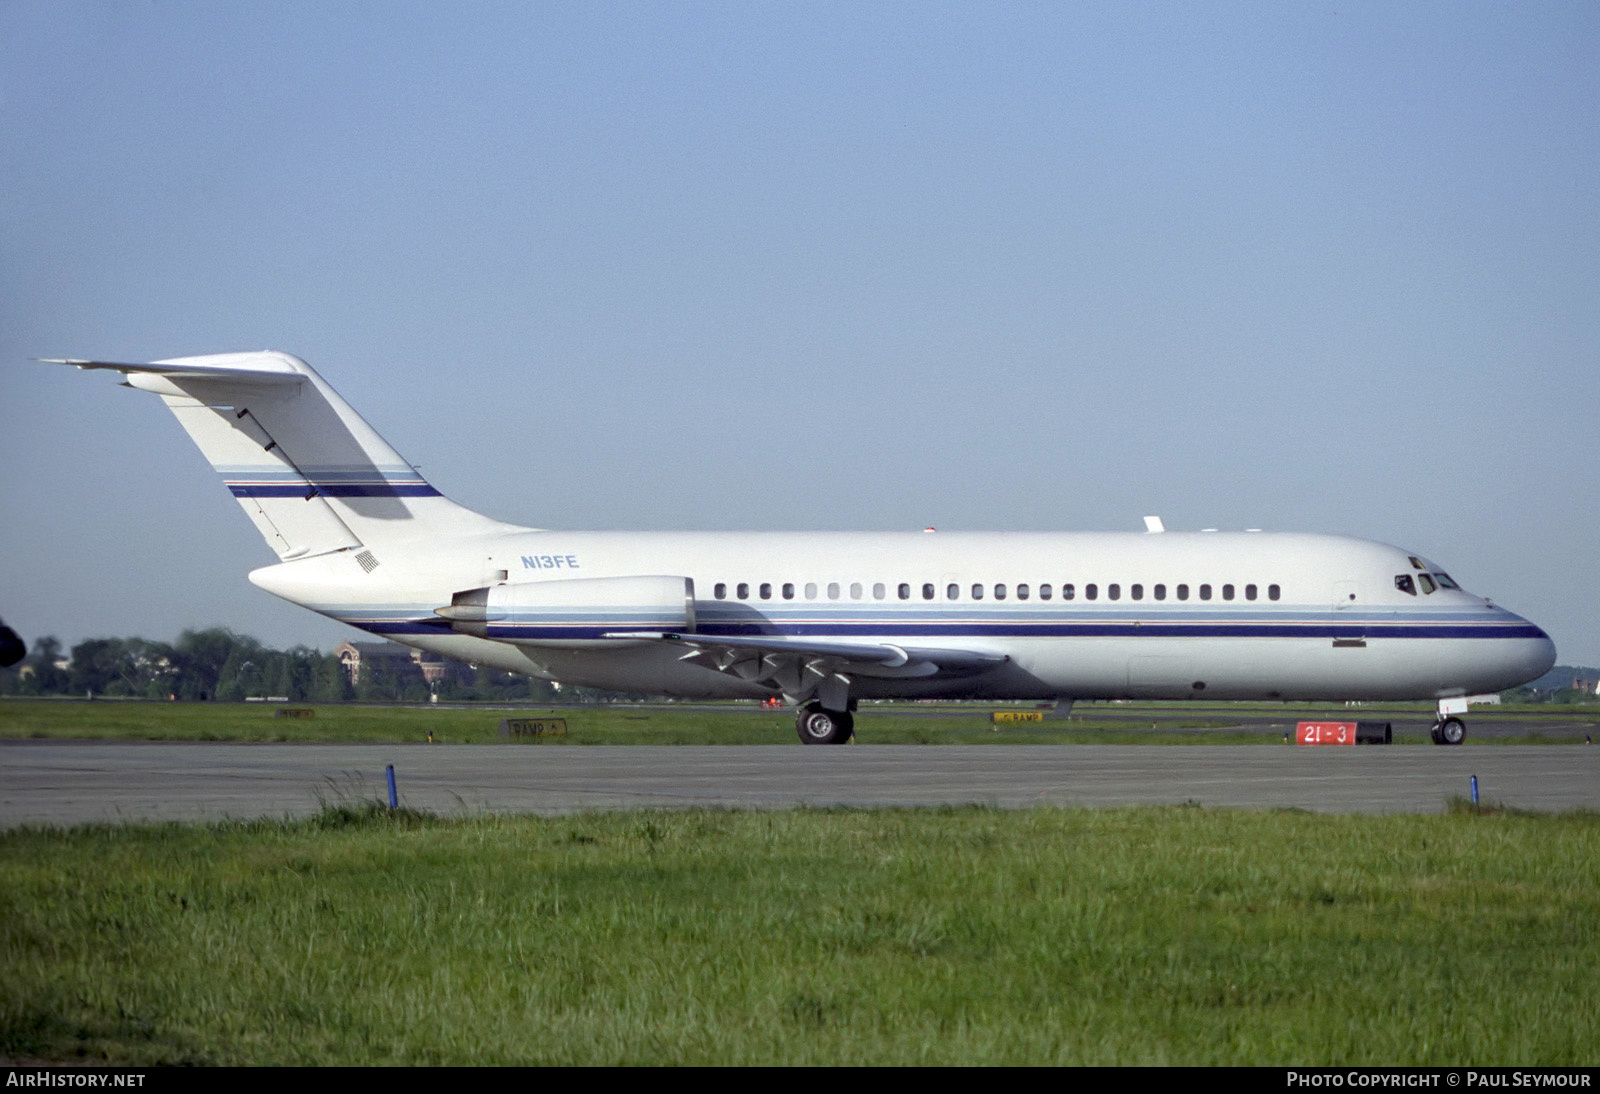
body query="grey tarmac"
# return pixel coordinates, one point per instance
(76, 782)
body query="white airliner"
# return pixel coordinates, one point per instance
(824, 619)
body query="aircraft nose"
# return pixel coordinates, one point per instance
(1534, 656)
(1545, 658)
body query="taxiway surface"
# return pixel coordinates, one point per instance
(75, 782)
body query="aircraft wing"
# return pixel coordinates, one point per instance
(793, 663)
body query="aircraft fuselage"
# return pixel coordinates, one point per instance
(1168, 615)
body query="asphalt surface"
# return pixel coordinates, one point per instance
(74, 782)
(1566, 724)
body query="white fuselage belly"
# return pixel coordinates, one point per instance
(1303, 616)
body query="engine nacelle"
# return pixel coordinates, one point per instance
(576, 611)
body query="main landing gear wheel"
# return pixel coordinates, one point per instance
(1451, 731)
(819, 726)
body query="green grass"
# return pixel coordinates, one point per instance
(601, 724)
(969, 936)
(726, 724)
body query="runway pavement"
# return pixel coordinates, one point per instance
(73, 782)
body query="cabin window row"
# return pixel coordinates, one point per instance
(1002, 591)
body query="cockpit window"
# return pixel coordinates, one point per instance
(1416, 563)
(1426, 582)
(1404, 583)
(1445, 581)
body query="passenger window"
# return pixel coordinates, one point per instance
(1272, 592)
(1044, 592)
(833, 590)
(904, 591)
(999, 592)
(1249, 592)
(1090, 592)
(766, 590)
(1404, 583)
(1161, 592)
(811, 590)
(1136, 592)
(878, 591)
(855, 590)
(788, 590)
(1022, 592)
(1205, 592)
(1426, 582)
(1183, 592)
(1227, 592)
(744, 590)
(927, 591)
(1067, 592)
(952, 591)
(977, 592)
(720, 591)
(1113, 592)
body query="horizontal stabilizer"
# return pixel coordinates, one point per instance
(243, 368)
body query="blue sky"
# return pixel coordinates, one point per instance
(1323, 267)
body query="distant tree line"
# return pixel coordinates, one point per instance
(1561, 696)
(217, 664)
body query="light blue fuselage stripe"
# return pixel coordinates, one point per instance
(591, 626)
(335, 482)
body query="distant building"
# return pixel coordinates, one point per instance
(30, 667)
(434, 669)
(1583, 683)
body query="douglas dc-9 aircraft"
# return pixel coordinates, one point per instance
(825, 619)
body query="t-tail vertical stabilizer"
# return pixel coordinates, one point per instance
(308, 470)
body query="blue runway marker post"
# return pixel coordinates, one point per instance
(1474, 787)
(394, 797)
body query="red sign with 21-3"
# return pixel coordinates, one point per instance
(1325, 733)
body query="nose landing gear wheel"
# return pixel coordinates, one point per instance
(819, 726)
(1451, 731)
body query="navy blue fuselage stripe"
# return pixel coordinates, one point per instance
(912, 634)
(1140, 629)
(336, 490)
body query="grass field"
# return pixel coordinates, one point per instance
(724, 724)
(1175, 935)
